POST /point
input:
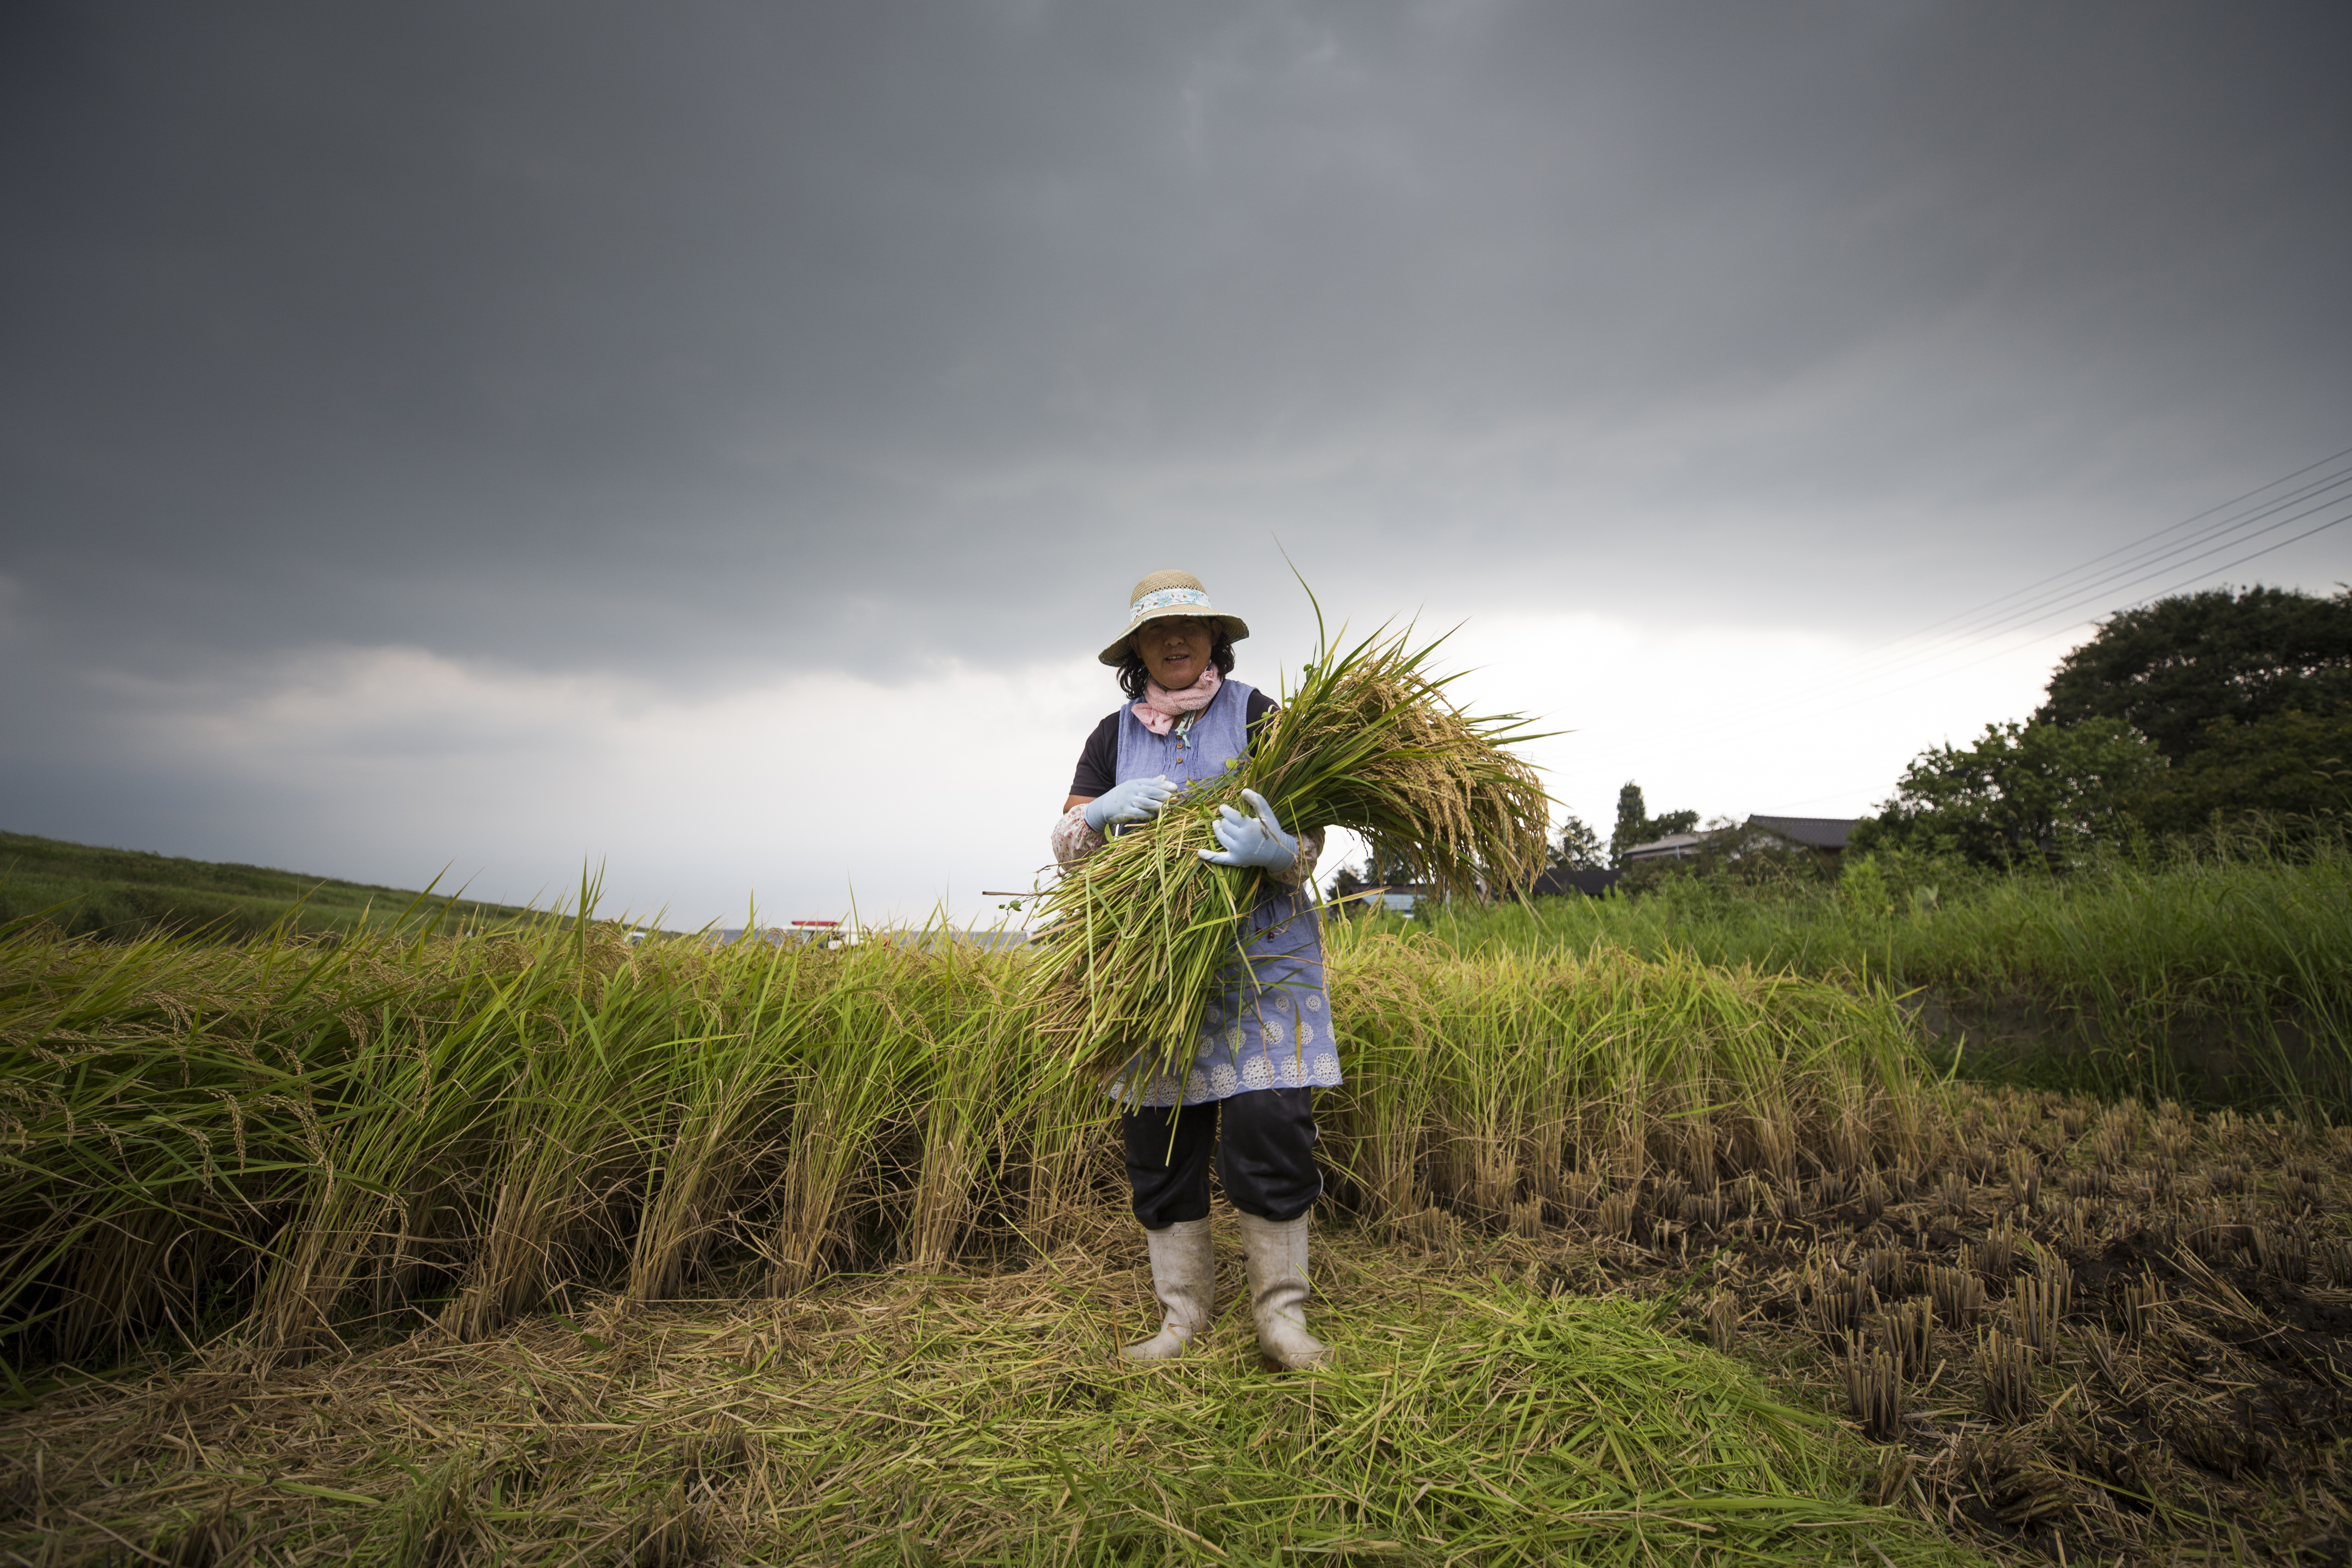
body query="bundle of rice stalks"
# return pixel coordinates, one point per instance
(1368, 740)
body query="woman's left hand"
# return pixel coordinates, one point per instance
(1254, 841)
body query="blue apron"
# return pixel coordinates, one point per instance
(1268, 1023)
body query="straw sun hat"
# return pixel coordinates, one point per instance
(1171, 594)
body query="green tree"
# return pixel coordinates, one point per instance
(2023, 793)
(1635, 825)
(2172, 668)
(1382, 867)
(2290, 765)
(1633, 815)
(1577, 848)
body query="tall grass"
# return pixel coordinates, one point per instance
(300, 1142)
(2231, 955)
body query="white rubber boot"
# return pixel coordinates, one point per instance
(1184, 1278)
(1276, 1251)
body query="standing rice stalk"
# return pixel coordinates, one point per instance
(976, 1083)
(878, 1016)
(1478, 1081)
(306, 1144)
(705, 1131)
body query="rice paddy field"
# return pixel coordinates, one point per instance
(537, 1247)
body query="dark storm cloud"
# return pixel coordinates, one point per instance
(574, 332)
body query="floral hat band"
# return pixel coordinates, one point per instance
(1166, 594)
(1161, 597)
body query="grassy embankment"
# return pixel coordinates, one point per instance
(120, 893)
(2217, 976)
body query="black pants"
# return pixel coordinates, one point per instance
(1265, 1157)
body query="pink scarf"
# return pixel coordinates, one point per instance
(1161, 708)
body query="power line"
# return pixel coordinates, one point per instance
(2100, 588)
(2240, 526)
(2088, 590)
(2240, 560)
(2135, 604)
(2118, 550)
(2141, 566)
(2130, 576)
(2159, 594)
(1819, 709)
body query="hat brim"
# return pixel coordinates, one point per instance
(1236, 627)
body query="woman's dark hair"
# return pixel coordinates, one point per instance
(1133, 672)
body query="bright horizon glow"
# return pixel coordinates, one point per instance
(703, 808)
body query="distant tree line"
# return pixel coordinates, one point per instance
(2194, 711)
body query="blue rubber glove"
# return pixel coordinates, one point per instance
(1258, 841)
(1130, 802)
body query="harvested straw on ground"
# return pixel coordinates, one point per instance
(1368, 741)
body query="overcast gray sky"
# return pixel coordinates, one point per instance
(711, 440)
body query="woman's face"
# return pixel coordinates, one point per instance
(1175, 649)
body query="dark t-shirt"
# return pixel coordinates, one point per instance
(1098, 762)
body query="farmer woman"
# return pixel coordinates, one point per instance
(1266, 1035)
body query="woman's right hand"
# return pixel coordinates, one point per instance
(1133, 801)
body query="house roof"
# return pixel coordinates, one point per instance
(1591, 882)
(1671, 844)
(1820, 832)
